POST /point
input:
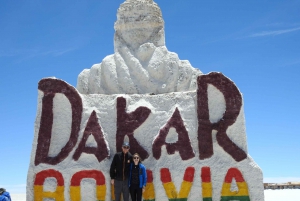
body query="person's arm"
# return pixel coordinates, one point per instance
(112, 170)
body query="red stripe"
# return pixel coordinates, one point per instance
(165, 175)
(89, 174)
(41, 177)
(205, 174)
(189, 174)
(234, 173)
(149, 176)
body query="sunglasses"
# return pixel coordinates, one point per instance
(135, 157)
(126, 147)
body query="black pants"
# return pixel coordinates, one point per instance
(136, 193)
(121, 187)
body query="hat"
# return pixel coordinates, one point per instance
(125, 144)
(2, 190)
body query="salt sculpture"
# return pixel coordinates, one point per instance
(190, 133)
(141, 62)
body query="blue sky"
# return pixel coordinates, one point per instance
(254, 43)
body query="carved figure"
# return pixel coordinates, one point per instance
(141, 62)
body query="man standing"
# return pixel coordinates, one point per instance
(4, 196)
(119, 170)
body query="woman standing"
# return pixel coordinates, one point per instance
(137, 178)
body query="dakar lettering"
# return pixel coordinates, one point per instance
(127, 123)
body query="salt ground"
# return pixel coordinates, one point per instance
(282, 195)
(270, 195)
(18, 197)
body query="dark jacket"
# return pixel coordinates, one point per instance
(5, 197)
(116, 167)
(142, 175)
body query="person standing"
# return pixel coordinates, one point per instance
(119, 170)
(137, 178)
(4, 195)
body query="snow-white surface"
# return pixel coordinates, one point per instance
(282, 195)
(270, 195)
(18, 197)
(162, 107)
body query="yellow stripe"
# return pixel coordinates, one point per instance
(170, 190)
(39, 193)
(206, 189)
(75, 193)
(185, 189)
(101, 192)
(149, 193)
(242, 189)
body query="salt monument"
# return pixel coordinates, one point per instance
(188, 127)
(141, 62)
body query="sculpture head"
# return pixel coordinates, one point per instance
(139, 22)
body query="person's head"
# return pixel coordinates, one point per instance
(136, 158)
(125, 147)
(2, 190)
(139, 22)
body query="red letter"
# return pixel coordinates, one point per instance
(40, 178)
(50, 87)
(93, 128)
(149, 193)
(186, 185)
(98, 176)
(233, 101)
(241, 193)
(206, 184)
(127, 123)
(183, 145)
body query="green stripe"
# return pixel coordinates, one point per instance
(150, 200)
(185, 199)
(239, 198)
